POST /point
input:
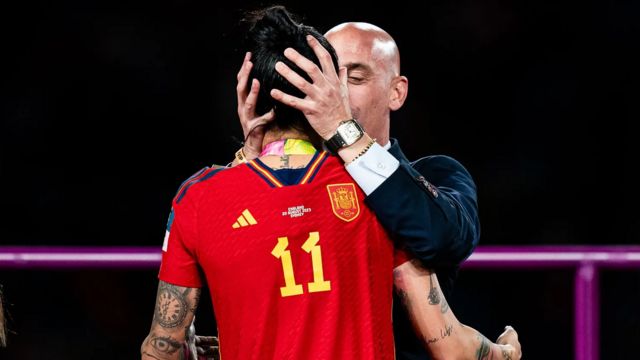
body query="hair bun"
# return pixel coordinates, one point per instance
(273, 29)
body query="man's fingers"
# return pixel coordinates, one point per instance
(305, 64)
(298, 81)
(294, 102)
(323, 55)
(343, 74)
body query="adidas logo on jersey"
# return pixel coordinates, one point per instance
(245, 219)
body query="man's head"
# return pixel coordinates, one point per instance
(376, 87)
(273, 30)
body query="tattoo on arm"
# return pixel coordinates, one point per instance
(484, 350)
(285, 161)
(401, 292)
(171, 305)
(446, 332)
(436, 297)
(162, 346)
(173, 311)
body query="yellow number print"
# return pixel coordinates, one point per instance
(290, 288)
(310, 246)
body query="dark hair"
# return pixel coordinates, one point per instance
(272, 31)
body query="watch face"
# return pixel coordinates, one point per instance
(349, 132)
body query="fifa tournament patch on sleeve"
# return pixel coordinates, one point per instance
(165, 244)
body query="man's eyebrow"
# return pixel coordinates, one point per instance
(358, 66)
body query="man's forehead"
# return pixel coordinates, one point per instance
(384, 47)
(363, 44)
(364, 51)
(358, 40)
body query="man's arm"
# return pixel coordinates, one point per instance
(441, 332)
(173, 314)
(430, 206)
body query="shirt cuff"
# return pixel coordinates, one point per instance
(372, 168)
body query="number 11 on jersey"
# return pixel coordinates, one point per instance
(310, 246)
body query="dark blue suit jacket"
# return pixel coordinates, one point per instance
(430, 208)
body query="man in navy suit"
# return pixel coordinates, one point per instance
(429, 206)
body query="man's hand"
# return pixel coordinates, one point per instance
(252, 124)
(511, 349)
(326, 103)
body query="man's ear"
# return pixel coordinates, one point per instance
(399, 91)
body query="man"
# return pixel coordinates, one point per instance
(335, 306)
(429, 206)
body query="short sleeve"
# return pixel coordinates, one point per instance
(179, 264)
(400, 257)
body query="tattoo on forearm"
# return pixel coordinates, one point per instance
(171, 306)
(446, 332)
(484, 350)
(162, 346)
(404, 297)
(401, 293)
(448, 329)
(436, 297)
(434, 294)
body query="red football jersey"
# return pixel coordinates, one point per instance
(300, 271)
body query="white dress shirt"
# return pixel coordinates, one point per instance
(372, 168)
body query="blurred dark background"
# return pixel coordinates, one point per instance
(107, 106)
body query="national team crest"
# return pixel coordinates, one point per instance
(344, 201)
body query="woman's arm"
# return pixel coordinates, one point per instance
(441, 332)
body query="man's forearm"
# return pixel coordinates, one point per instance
(174, 312)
